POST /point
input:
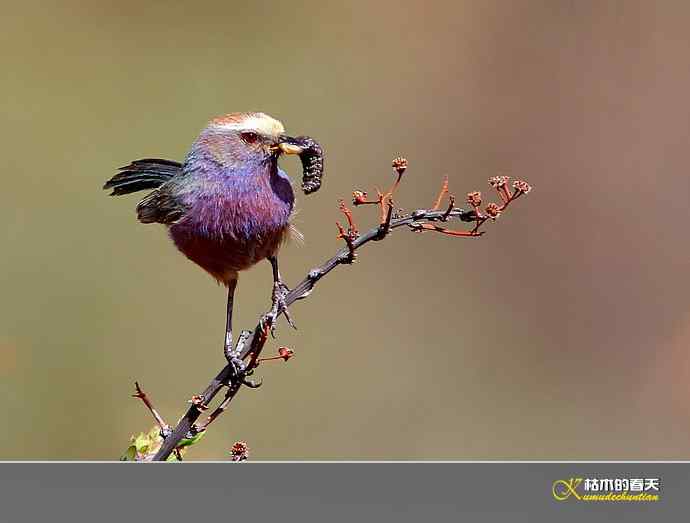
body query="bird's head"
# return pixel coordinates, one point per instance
(239, 139)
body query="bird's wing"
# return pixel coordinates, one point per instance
(161, 206)
(148, 173)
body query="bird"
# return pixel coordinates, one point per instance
(229, 205)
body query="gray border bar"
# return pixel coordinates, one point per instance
(326, 492)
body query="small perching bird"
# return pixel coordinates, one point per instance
(228, 206)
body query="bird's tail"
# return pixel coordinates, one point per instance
(149, 173)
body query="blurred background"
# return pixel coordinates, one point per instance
(563, 333)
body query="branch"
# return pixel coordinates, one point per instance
(250, 344)
(140, 394)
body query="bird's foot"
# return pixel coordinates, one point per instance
(280, 291)
(238, 366)
(251, 383)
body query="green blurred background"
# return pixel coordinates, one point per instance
(563, 333)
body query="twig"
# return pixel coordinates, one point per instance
(165, 428)
(441, 194)
(451, 204)
(217, 411)
(385, 226)
(250, 345)
(255, 342)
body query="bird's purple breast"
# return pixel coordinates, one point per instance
(235, 218)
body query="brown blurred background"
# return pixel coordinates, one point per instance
(563, 333)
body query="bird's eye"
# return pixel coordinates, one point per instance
(249, 137)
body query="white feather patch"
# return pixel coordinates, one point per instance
(257, 122)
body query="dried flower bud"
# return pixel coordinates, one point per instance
(474, 198)
(285, 353)
(400, 164)
(522, 186)
(498, 181)
(359, 197)
(239, 451)
(493, 210)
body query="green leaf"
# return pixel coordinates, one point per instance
(143, 445)
(188, 442)
(130, 454)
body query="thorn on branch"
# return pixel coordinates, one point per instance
(351, 226)
(385, 226)
(198, 402)
(451, 205)
(198, 428)
(140, 394)
(350, 235)
(441, 194)
(350, 258)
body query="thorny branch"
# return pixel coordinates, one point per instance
(246, 355)
(165, 428)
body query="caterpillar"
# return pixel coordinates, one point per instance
(312, 163)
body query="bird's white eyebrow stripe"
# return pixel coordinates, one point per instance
(266, 125)
(231, 125)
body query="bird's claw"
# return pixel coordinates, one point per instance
(238, 365)
(252, 384)
(280, 291)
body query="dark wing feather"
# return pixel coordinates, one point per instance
(161, 206)
(143, 174)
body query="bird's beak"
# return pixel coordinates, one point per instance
(289, 145)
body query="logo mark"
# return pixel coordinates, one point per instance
(562, 489)
(607, 489)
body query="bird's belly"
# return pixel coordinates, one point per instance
(223, 256)
(229, 226)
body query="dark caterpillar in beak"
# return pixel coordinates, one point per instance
(312, 164)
